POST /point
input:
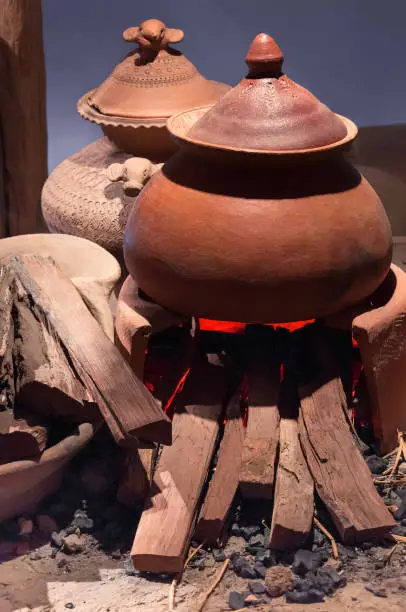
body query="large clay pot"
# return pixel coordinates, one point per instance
(92, 270)
(259, 217)
(152, 83)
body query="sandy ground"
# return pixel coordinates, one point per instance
(93, 582)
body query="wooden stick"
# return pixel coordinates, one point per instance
(224, 483)
(398, 456)
(214, 585)
(328, 535)
(294, 492)
(181, 472)
(398, 538)
(193, 554)
(390, 555)
(293, 510)
(172, 590)
(262, 434)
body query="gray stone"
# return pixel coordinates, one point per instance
(236, 601)
(260, 569)
(248, 531)
(219, 555)
(306, 561)
(258, 588)
(376, 464)
(57, 539)
(400, 513)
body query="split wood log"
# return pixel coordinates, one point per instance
(127, 406)
(26, 438)
(166, 524)
(6, 342)
(262, 434)
(224, 484)
(22, 114)
(45, 382)
(292, 517)
(136, 476)
(341, 476)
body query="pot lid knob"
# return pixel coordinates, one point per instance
(153, 34)
(264, 57)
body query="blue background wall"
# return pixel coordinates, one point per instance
(350, 53)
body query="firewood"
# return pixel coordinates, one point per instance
(292, 516)
(224, 483)
(6, 342)
(262, 435)
(46, 383)
(127, 406)
(23, 118)
(166, 524)
(26, 438)
(136, 476)
(341, 476)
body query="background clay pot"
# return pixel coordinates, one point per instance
(131, 106)
(79, 198)
(92, 270)
(23, 484)
(152, 83)
(284, 233)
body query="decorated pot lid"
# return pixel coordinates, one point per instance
(267, 111)
(153, 82)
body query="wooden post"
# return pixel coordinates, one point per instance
(22, 116)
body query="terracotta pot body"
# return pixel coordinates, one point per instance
(254, 235)
(79, 198)
(23, 484)
(131, 106)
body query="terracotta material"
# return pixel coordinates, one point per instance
(241, 119)
(80, 197)
(135, 321)
(23, 484)
(92, 270)
(270, 233)
(381, 335)
(153, 82)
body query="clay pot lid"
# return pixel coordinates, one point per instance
(153, 82)
(266, 112)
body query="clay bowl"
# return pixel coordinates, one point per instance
(93, 270)
(23, 484)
